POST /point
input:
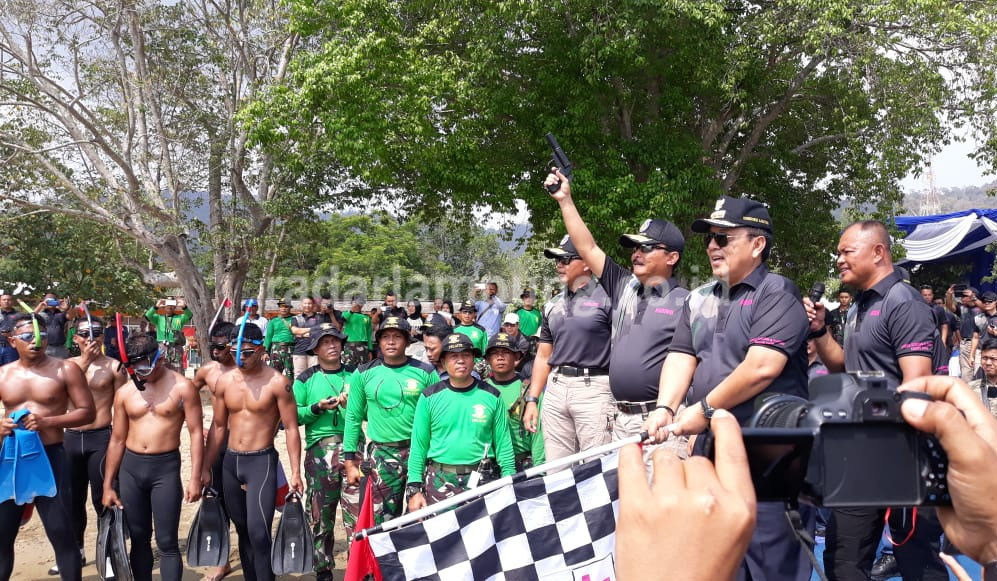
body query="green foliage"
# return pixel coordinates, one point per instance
(77, 259)
(804, 104)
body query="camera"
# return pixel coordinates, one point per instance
(52, 302)
(861, 451)
(170, 302)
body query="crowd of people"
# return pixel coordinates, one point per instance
(425, 405)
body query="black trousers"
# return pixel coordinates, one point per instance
(853, 535)
(54, 514)
(150, 490)
(85, 453)
(251, 508)
(774, 553)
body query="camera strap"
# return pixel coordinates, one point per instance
(889, 534)
(803, 536)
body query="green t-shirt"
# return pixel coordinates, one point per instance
(312, 386)
(385, 396)
(278, 331)
(477, 334)
(523, 440)
(168, 325)
(454, 425)
(358, 328)
(529, 321)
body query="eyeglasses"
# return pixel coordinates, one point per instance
(30, 337)
(649, 247)
(219, 346)
(566, 260)
(723, 238)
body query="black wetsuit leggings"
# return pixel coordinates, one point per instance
(150, 489)
(85, 453)
(251, 509)
(54, 513)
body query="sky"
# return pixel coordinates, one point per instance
(953, 168)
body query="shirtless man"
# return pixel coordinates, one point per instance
(144, 455)
(86, 446)
(249, 401)
(46, 386)
(207, 376)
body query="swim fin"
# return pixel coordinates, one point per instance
(208, 539)
(104, 542)
(8, 463)
(292, 546)
(32, 471)
(117, 547)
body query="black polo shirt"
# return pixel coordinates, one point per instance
(953, 322)
(967, 322)
(303, 321)
(836, 324)
(5, 322)
(578, 324)
(890, 321)
(643, 334)
(718, 328)
(55, 326)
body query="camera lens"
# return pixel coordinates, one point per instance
(779, 410)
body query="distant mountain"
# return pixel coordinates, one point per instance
(953, 199)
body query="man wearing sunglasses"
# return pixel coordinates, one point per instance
(86, 445)
(7, 312)
(222, 361)
(738, 336)
(144, 456)
(572, 363)
(249, 401)
(46, 386)
(646, 305)
(57, 314)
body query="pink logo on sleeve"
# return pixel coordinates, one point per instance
(664, 311)
(874, 313)
(747, 302)
(766, 341)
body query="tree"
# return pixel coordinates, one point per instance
(124, 113)
(662, 105)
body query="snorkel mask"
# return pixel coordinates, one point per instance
(144, 365)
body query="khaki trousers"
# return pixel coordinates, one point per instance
(577, 414)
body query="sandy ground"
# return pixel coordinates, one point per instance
(34, 555)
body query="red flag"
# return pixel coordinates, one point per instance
(227, 303)
(362, 561)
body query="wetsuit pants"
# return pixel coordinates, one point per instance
(151, 491)
(252, 508)
(85, 453)
(54, 513)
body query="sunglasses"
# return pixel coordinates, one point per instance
(30, 337)
(648, 248)
(566, 260)
(219, 346)
(722, 238)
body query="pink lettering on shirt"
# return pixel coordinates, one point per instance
(747, 302)
(766, 341)
(664, 311)
(918, 346)
(591, 304)
(874, 313)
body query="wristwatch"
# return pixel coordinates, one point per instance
(531, 399)
(707, 410)
(413, 488)
(818, 333)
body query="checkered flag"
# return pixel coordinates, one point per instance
(561, 526)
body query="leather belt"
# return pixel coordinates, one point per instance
(398, 444)
(459, 469)
(581, 371)
(636, 407)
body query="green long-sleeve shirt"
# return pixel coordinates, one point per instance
(453, 425)
(529, 321)
(476, 333)
(385, 396)
(278, 331)
(313, 386)
(358, 328)
(166, 325)
(523, 440)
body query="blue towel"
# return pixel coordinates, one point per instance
(25, 471)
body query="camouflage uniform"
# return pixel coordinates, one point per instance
(356, 353)
(440, 484)
(326, 474)
(280, 359)
(390, 464)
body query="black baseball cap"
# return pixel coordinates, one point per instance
(315, 335)
(528, 292)
(458, 343)
(988, 297)
(735, 213)
(283, 303)
(468, 305)
(562, 250)
(503, 341)
(392, 322)
(656, 231)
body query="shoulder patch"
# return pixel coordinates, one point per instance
(437, 387)
(489, 388)
(421, 365)
(307, 374)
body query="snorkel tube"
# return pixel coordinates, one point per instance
(225, 304)
(242, 329)
(139, 383)
(86, 311)
(34, 324)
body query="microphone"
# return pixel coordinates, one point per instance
(816, 292)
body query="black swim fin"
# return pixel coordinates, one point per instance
(112, 539)
(292, 546)
(208, 540)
